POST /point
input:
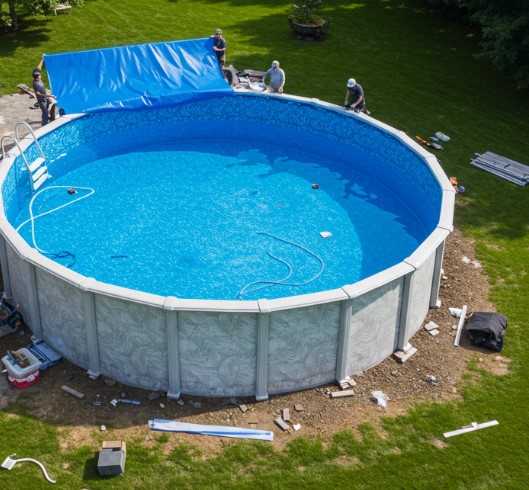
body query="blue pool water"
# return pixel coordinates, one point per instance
(221, 219)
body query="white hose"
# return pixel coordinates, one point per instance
(15, 461)
(244, 290)
(283, 282)
(33, 218)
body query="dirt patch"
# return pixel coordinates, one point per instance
(432, 373)
(498, 365)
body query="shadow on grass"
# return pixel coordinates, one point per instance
(90, 471)
(31, 34)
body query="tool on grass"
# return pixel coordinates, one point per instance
(115, 401)
(430, 144)
(442, 136)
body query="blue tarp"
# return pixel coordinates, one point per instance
(135, 77)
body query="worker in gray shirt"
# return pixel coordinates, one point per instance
(219, 46)
(356, 92)
(277, 78)
(46, 101)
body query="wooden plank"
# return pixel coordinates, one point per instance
(281, 424)
(342, 394)
(73, 392)
(26, 89)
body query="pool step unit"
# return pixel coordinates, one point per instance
(38, 171)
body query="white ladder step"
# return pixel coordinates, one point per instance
(40, 181)
(39, 172)
(37, 169)
(36, 164)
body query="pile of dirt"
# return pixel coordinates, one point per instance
(432, 373)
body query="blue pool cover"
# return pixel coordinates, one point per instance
(136, 77)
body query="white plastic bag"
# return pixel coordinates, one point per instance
(381, 398)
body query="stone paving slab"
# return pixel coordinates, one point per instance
(17, 108)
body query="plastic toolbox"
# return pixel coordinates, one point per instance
(45, 354)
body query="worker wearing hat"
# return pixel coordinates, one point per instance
(45, 100)
(277, 77)
(219, 46)
(355, 91)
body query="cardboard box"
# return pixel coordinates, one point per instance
(112, 458)
(45, 354)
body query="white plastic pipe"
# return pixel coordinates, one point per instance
(9, 463)
(460, 325)
(472, 427)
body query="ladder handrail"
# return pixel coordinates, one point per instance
(4, 153)
(37, 144)
(38, 171)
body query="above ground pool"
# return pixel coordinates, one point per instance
(246, 244)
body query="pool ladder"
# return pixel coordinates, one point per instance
(38, 171)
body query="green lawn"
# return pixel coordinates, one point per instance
(420, 75)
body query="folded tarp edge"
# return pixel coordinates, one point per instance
(136, 77)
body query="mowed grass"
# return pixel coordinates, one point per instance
(420, 75)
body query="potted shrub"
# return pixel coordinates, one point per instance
(305, 19)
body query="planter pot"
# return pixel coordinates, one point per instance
(309, 31)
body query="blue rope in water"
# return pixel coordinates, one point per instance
(282, 282)
(31, 219)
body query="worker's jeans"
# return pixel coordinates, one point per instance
(44, 104)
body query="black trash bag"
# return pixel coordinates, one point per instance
(487, 330)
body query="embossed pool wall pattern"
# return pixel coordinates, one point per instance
(230, 348)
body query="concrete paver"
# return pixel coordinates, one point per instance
(17, 108)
